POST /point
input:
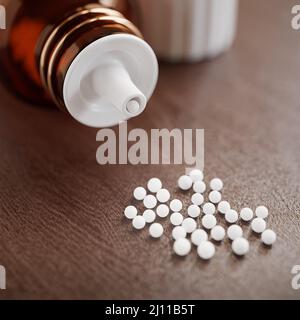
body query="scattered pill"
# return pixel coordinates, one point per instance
(246, 214)
(261, 212)
(182, 246)
(176, 205)
(197, 199)
(198, 236)
(216, 184)
(189, 225)
(163, 195)
(218, 233)
(234, 232)
(223, 206)
(156, 230)
(138, 222)
(209, 208)
(240, 246)
(196, 175)
(185, 182)
(258, 225)
(139, 193)
(209, 221)
(149, 215)
(162, 210)
(199, 186)
(178, 232)
(176, 218)
(154, 184)
(206, 250)
(150, 201)
(130, 212)
(215, 196)
(268, 237)
(193, 211)
(231, 216)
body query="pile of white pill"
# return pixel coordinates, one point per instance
(198, 225)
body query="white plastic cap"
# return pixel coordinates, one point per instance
(110, 80)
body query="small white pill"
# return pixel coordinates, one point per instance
(198, 236)
(138, 222)
(209, 221)
(246, 214)
(197, 199)
(162, 210)
(150, 201)
(234, 232)
(176, 205)
(231, 216)
(261, 212)
(223, 206)
(240, 246)
(209, 208)
(130, 212)
(185, 182)
(149, 215)
(206, 250)
(268, 237)
(199, 186)
(196, 175)
(154, 184)
(176, 218)
(218, 233)
(163, 195)
(182, 246)
(216, 184)
(156, 230)
(193, 211)
(178, 232)
(258, 225)
(189, 225)
(215, 196)
(139, 193)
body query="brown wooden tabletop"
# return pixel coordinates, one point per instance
(62, 231)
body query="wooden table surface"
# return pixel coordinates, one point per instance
(62, 231)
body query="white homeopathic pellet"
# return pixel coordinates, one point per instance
(149, 215)
(130, 212)
(258, 225)
(150, 201)
(209, 208)
(199, 186)
(234, 232)
(185, 182)
(156, 230)
(218, 233)
(209, 221)
(189, 225)
(215, 196)
(178, 232)
(216, 184)
(246, 214)
(176, 218)
(240, 246)
(197, 199)
(196, 175)
(162, 210)
(139, 193)
(268, 237)
(231, 216)
(163, 195)
(261, 212)
(182, 246)
(223, 206)
(176, 205)
(138, 222)
(154, 184)
(193, 211)
(198, 236)
(206, 250)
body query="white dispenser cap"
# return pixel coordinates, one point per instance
(110, 80)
